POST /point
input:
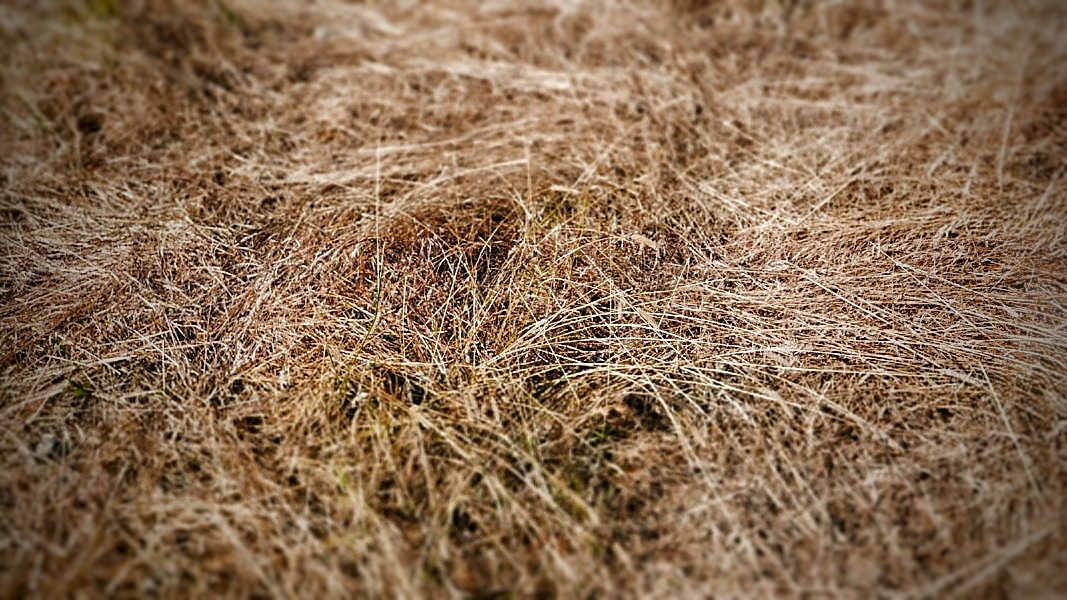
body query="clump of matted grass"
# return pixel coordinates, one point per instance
(575, 299)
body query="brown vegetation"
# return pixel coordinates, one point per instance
(579, 299)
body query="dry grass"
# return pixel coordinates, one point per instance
(577, 299)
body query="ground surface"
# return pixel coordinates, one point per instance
(577, 299)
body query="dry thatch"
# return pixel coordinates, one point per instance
(572, 298)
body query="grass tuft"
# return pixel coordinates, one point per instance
(576, 299)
